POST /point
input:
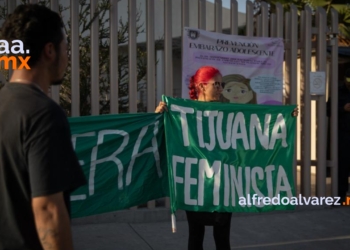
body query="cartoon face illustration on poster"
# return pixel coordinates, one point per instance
(237, 89)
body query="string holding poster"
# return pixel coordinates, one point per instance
(252, 67)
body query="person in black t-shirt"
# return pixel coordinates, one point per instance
(38, 166)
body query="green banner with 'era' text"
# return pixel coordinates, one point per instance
(122, 157)
(229, 157)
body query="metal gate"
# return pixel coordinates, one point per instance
(303, 42)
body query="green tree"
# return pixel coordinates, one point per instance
(85, 64)
(338, 5)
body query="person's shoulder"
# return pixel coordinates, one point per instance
(52, 110)
(53, 106)
(43, 107)
(26, 100)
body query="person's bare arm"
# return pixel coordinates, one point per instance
(52, 222)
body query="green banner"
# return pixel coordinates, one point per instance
(122, 157)
(229, 157)
(221, 157)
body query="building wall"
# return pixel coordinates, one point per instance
(176, 16)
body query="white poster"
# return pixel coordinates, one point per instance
(318, 83)
(252, 67)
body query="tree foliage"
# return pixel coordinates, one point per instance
(339, 5)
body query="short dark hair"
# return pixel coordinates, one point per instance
(35, 25)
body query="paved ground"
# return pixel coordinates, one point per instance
(307, 228)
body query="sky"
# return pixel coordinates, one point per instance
(226, 4)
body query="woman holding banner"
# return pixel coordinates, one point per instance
(206, 85)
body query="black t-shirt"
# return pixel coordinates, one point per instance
(36, 159)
